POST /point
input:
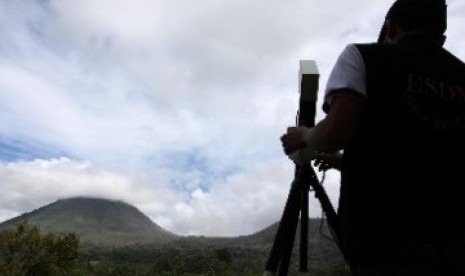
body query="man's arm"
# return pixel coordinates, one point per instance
(337, 129)
(332, 133)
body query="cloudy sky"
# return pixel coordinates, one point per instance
(174, 106)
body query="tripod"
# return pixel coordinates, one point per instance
(304, 179)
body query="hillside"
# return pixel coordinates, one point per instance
(123, 235)
(322, 251)
(110, 222)
(97, 221)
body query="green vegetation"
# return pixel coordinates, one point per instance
(27, 250)
(174, 261)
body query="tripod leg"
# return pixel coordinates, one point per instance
(284, 239)
(304, 217)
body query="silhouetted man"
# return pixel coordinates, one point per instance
(397, 111)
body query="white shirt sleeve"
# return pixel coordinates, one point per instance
(347, 73)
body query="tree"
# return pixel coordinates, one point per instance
(27, 251)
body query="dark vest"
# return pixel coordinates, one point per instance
(403, 173)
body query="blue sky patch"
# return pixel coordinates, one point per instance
(14, 150)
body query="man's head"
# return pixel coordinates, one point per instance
(410, 16)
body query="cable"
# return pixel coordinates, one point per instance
(323, 217)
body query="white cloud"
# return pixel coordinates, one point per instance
(28, 183)
(239, 204)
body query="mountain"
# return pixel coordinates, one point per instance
(115, 223)
(97, 221)
(114, 228)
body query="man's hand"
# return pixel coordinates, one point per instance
(295, 145)
(294, 139)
